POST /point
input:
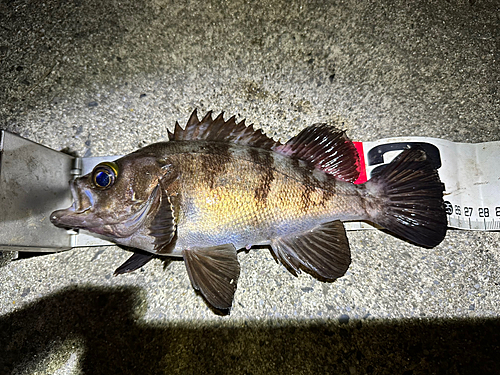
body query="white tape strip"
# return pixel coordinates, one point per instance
(469, 171)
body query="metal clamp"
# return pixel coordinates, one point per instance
(33, 183)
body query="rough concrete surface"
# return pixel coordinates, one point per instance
(107, 77)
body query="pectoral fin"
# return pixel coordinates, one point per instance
(322, 252)
(163, 225)
(214, 271)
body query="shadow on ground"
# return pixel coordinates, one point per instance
(103, 324)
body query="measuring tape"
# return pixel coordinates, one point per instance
(468, 171)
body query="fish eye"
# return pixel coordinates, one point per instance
(104, 175)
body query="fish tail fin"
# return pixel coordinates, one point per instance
(411, 195)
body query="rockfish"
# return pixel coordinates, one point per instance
(219, 186)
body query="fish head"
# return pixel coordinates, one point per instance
(115, 199)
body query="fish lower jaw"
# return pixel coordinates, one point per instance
(83, 210)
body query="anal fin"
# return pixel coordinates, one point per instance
(214, 271)
(322, 252)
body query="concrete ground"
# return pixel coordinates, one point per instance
(106, 77)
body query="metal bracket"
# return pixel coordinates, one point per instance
(34, 183)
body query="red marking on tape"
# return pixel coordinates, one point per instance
(362, 165)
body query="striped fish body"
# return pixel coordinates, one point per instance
(219, 186)
(229, 193)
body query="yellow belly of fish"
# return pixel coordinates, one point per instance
(234, 214)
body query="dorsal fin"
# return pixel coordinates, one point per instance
(217, 129)
(325, 148)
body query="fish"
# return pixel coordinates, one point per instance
(217, 187)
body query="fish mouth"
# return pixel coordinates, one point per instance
(74, 217)
(83, 214)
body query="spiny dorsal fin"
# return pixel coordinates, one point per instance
(325, 148)
(217, 129)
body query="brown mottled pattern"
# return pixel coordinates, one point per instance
(307, 189)
(328, 194)
(213, 164)
(264, 162)
(242, 194)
